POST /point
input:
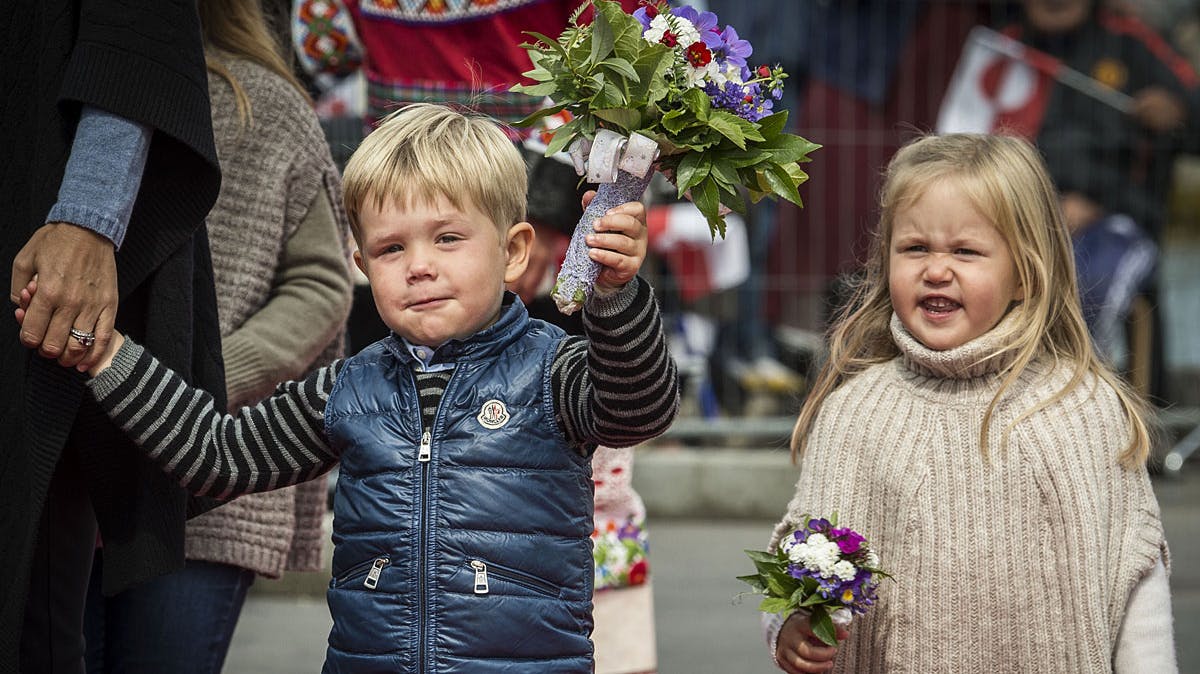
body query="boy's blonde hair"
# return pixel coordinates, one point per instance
(1006, 181)
(425, 151)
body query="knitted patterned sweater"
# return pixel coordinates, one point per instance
(279, 252)
(1023, 561)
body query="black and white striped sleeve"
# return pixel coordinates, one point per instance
(279, 442)
(619, 386)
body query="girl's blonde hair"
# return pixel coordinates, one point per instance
(425, 151)
(239, 28)
(1005, 180)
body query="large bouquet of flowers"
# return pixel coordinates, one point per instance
(664, 88)
(822, 569)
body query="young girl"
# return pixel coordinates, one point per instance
(965, 426)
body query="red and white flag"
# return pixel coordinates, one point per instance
(680, 235)
(998, 85)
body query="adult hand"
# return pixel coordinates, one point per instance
(800, 651)
(1158, 109)
(76, 274)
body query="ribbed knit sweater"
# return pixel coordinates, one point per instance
(1019, 562)
(279, 250)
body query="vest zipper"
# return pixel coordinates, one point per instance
(423, 457)
(513, 576)
(372, 580)
(426, 451)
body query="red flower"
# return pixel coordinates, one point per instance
(764, 71)
(638, 572)
(669, 39)
(698, 55)
(651, 9)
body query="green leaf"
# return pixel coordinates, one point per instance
(724, 172)
(721, 122)
(602, 38)
(562, 136)
(773, 125)
(543, 112)
(773, 605)
(704, 195)
(822, 626)
(697, 101)
(755, 581)
(621, 67)
(760, 556)
(627, 119)
(812, 600)
(650, 65)
(694, 168)
(539, 89)
(548, 41)
(780, 182)
(789, 149)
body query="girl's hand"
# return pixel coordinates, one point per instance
(102, 363)
(799, 650)
(619, 244)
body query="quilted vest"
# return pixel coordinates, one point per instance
(462, 547)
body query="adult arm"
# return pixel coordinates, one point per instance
(277, 443)
(73, 253)
(310, 300)
(1146, 640)
(619, 386)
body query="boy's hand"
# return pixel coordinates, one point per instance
(619, 244)
(799, 650)
(102, 360)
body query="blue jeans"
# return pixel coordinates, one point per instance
(180, 623)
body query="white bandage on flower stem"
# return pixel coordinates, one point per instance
(609, 151)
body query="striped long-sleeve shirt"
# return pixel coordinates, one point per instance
(617, 387)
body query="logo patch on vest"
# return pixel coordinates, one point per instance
(493, 414)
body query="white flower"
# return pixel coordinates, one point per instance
(696, 77)
(685, 33)
(872, 559)
(817, 539)
(844, 570)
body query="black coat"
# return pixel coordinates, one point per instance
(143, 61)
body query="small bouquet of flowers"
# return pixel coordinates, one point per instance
(822, 569)
(663, 88)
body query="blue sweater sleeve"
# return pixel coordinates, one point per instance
(103, 174)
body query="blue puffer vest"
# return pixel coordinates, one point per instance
(463, 547)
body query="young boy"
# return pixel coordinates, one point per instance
(463, 506)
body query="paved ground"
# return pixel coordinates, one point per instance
(701, 628)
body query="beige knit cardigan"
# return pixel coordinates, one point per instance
(280, 257)
(1022, 562)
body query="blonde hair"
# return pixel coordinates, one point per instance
(424, 151)
(239, 28)
(1006, 180)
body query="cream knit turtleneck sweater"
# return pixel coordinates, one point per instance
(1022, 562)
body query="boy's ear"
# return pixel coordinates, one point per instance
(358, 261)
(517, 246)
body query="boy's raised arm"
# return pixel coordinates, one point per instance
(618, 387)
(277, 443)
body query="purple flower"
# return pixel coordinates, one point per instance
(705, 22)
(729, 48)
(848, 540)
(821, 525)
(644, 17)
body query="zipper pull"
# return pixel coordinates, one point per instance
(481, 584)
(373, 575)
(426, 452)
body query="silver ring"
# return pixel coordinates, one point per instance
(87, 339)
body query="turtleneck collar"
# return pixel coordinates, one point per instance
(967, 361)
